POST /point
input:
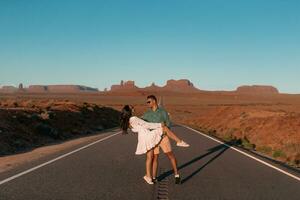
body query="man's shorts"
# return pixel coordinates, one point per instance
(165, 145)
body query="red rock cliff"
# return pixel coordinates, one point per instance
(257, 89)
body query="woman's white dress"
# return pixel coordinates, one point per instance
(149, 134)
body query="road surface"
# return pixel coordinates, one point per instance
(109, 169)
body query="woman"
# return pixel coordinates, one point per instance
(149, 136)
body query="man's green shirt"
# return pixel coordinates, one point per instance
(158, 116)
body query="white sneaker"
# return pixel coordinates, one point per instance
(182, 144)
(148, 180)
(177, 179)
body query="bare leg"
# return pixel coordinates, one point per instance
(173, 161)
(170, 134)
(149, 163)
(155, 164)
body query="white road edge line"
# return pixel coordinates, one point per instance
(55, 159)
(246, 154)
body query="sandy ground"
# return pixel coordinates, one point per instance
(268, 123)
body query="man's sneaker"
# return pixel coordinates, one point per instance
(148, 180)
(177, 179)
(154, 180)
(182, 144)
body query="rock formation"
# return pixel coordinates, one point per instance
(21, 86)
(8, 89)
(178, 86)
(153, 87)
(257, 89)
(124, 86)
(182, 85)
(37, 88)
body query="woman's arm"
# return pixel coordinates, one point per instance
(149, 125)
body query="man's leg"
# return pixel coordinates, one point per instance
(173, 161)
(166, 147)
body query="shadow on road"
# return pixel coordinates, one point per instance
(219, 148)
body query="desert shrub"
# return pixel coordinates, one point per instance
(264, 149)
(228, 138)
(296, 160)
(278, 153)
(23, 119)
(229, 135)
(212, 132)
(47, 130)
(231, 131)
(243, 115)
(246, 143)
(19, 143)
(15, 104)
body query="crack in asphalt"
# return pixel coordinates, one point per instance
(162, 188)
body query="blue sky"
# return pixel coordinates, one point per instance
(217, 44)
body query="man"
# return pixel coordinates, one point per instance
(159, 115)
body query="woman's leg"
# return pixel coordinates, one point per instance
(171, 135)
(154, 165)
(149, 163)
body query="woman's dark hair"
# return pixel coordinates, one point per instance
(124, 119)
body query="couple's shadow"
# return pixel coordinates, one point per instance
(219, 148)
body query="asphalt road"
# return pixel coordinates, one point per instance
(109, 169)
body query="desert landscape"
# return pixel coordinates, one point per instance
(225, 72)
(257, 118)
